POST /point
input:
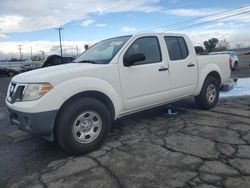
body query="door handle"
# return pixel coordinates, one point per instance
(163, 69)
(191, 65)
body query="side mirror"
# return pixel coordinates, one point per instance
(132, 59)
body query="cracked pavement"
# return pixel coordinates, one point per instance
(194, 149)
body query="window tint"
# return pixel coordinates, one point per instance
(183, 46)
(149, 46)
(177, 48)
(173, 48)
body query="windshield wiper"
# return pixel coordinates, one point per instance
(87, 61)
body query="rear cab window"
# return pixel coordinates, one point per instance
(177, 47)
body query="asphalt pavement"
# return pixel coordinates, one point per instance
(195, 148)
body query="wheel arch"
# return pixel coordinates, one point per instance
(91, 94)
(213, 73)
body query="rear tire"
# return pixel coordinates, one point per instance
(82, 126)
(235, 66)
(209, 94)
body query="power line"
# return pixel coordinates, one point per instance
(214, 17)
(181, 28)
(200, 18)
(206, 19)
(210, 21)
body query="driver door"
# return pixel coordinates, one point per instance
(144, 83)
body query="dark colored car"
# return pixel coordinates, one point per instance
(248, 52)
(56, 60)
(30, 66)
(12, 72)
(2, 72)
(8, 72)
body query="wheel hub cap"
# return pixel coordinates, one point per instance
(211, 93)
(87, 127)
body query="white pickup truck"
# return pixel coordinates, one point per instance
(75, 104)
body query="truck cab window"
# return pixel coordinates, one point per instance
(149, 46)
(102, 52)
(177, 48)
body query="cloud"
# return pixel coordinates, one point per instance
(127, 29)
(240, 15)
(238, 18)
(101, 25)
(233, 35)
(87, 23)
(192, 12)
(9, 49)
(30, 15)
(3, 36)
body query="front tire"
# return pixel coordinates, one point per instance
(209, 94)
(83, 125)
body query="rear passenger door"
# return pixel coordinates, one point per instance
(182, 66)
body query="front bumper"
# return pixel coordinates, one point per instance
(41, 123)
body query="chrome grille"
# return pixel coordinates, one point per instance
(15, 92)
(12, 89)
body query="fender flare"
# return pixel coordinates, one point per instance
(81, 85)
(210, 69)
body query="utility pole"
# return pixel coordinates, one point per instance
(31, 53)
(43, 54)
(60, 39)
(76, 51)
(20, 50)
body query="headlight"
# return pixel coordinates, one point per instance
(35, 91)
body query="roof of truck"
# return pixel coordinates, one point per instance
(158, 33)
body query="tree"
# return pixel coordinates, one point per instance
(36, 58)
(211, 44)
(238, 45)
(199, 49)
(223, 45)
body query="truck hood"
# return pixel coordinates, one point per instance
(57, 73)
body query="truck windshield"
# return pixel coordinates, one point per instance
(103, 51)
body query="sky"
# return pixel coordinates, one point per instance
(33, 23)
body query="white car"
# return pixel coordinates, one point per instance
(234, 58)
(76, 103)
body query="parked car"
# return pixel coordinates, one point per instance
(76, 103)
(56, 60)
(8, 71)
(12, 72)
(30, 66)
(234, 57)
(247, 53)
(2, 72)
